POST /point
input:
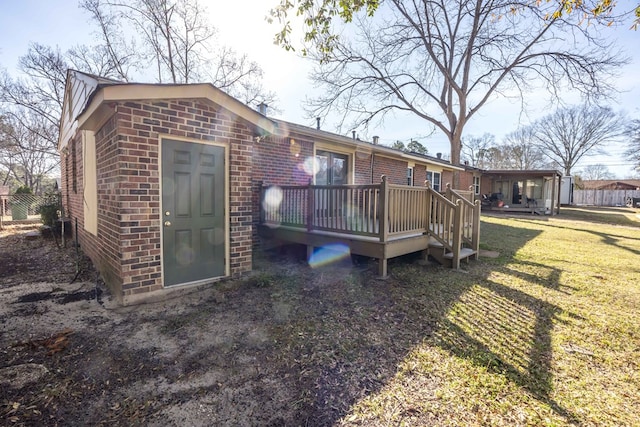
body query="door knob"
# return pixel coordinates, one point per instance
(167, 223)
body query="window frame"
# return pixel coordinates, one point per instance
(476, 185)
(431, 178)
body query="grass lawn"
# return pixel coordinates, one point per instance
(548, 333)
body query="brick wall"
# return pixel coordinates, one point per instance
(283, 160)
(363, 169)
(419, 175)
(127, 250)
(395, 170)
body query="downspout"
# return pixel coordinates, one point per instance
(373, 154)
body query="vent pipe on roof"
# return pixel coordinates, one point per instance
(376, 139)
(353, 134)
(318, 123)
(262, 108)
(439, 155)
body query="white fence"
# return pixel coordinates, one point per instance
(603, 197)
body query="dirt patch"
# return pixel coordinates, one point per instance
(289, 345)
(489, 254)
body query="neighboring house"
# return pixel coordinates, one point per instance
(536, 191)
(610, 184)
(164, 181)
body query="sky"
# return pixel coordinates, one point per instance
(241, 24)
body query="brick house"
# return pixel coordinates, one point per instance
(163, 180)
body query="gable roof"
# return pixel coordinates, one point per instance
(88, 99)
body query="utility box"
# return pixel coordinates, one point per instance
(566, 190)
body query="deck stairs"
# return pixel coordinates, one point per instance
(454, 227)
(445, 257)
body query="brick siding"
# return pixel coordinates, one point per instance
(127, 249)
(395, 170)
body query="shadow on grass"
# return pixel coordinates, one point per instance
(507, 332)
(605, 215)
(607, 238)
(348, 336)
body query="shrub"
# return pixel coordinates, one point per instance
(49, 209)
(24, 190)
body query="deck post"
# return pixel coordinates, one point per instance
(384, 223)
(382, 267)
(457, 235)
(475, 237)
(427, 210)
(384, 209)
(558, 195)
(553, 195)
(310, 207)
(310, 212)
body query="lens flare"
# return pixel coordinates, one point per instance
(329, 254)
(294, 147)
(309, 166)
(272, 198)
(185, 255)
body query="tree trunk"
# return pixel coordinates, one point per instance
(456, 148)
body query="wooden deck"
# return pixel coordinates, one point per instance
(381, 221)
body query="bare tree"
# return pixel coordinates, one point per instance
(524, 153)
(572, 133)
(32, 105)
(595, 172)
(319, 16)
(117, 54)
(496, 157)
(180, 42)
(443, 60)
(24, 155)
(633, 150)
(474, 148)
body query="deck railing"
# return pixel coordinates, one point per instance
(383, 211)
(470, 216)
(442, 219)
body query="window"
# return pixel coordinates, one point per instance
(476, 185)
(332, 168)
(409, 176)
(434, 180)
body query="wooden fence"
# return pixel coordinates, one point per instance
(603, 197)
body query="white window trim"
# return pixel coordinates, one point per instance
(90, 182)
(431, 181)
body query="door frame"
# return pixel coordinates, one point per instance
(227, 228)
(337, 150)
